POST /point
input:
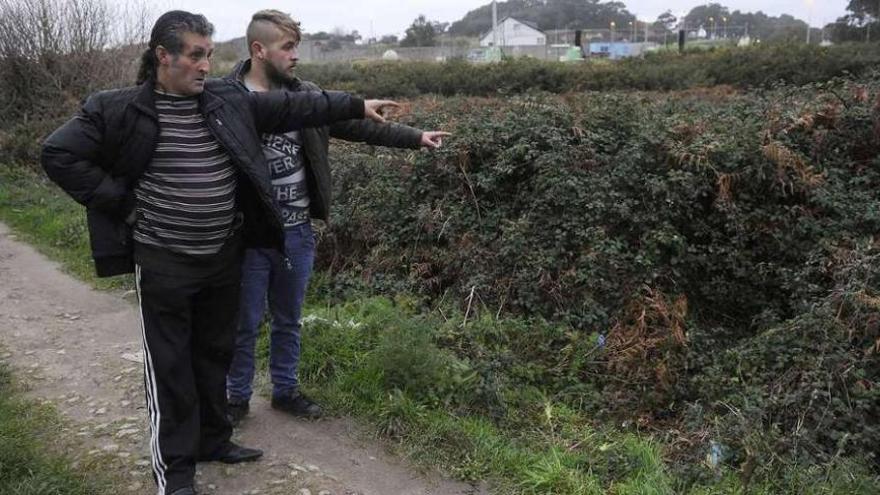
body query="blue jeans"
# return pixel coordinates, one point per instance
(285, 278)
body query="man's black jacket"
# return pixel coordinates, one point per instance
(316, 143)
(100, 154)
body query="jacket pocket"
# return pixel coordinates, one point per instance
(108, 235)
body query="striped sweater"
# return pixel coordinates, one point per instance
(186, 197)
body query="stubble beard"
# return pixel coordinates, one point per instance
(277, 77)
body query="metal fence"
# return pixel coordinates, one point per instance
(640, 39)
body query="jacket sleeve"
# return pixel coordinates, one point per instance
(71, 155)
(367, 131)
(285, 111)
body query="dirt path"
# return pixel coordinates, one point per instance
(79, 348)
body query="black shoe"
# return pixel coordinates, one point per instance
(236, 411)
(297, 404)
(187, 490)
(231, 453)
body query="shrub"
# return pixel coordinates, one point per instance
(52, 54)
(692, 275)
(758, 66)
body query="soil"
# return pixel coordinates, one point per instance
(79, 350)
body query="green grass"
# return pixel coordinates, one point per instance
(44, 217)
(26, 466)
(377, 359)
(405, 374)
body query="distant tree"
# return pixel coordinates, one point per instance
(860, 24)
(700, 15)
(784, 28)
(666, 21)
(333, 40)
(547, 14)
(420, 33)
(864, 8)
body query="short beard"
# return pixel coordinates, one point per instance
(278, 78)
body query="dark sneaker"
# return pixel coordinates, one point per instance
(297, 404)
(231, 453)
(236, 411)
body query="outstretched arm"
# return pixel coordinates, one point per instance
(284, 111)
(388, 134)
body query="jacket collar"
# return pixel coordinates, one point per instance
(145, 100)
(244, 66)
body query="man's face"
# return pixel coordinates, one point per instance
(280, 58)
(185, 73)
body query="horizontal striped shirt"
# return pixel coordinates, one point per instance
(186, 197)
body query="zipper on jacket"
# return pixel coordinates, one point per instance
(247, 172)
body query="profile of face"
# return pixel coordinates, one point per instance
(280, 58)
(185, 73)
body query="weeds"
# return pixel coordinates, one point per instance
(26, 467)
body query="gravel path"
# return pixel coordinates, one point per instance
(78, 349)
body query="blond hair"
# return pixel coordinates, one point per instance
(268, 25)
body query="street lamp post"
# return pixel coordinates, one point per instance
(612, 31)
(714, 24)
(633, 32)
(809, 18)
(725, 26)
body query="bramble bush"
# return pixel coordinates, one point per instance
(708, 257)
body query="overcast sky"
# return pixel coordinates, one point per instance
(379, 17)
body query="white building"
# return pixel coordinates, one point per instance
(512, 32)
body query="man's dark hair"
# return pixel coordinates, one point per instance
(168, 32)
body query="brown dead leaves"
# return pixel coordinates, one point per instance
(649, 337)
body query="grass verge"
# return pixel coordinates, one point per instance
(379, 359)
(27, 467)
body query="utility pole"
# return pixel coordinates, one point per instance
(494, 24)
(809, 18)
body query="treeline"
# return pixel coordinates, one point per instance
(52, 54)
(760, 66)
(553, 14)
(594, 14)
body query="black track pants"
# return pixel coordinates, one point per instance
(189, 335)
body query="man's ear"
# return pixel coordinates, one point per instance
(163, 55)
(258, 50)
